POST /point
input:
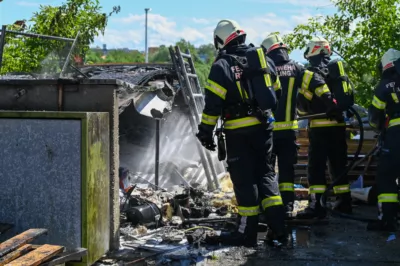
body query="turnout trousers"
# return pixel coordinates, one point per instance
(249, 152)
(388, 172)
(327, 142)
(285, 153)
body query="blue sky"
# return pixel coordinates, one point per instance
(195, 21)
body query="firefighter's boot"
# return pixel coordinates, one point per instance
(288, 199)
(387, 218)
(314, 209)
(245, 235)
(278, 239)
(343, 203)
(289, 211)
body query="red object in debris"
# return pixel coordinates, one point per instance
(334, 100)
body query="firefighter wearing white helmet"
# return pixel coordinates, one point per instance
(285, 126)
(384, 116)
(241, 92)
(327, 136)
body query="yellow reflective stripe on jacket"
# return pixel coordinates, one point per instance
(248, 211)
(378, 103)
(216, 88)
(323, 122)
(394, 97)
(239, 87)
(346, 86)
(271, 201)
(341, 189)
(288, 113)
(301, 112)
(277, 84)
(263, 63)
(317, 189)
(321, 90)
(341, 68)
(286, 187)
(305, 83)
(388, 197)
(242, 122)
(209, 119)
(286, 125)
(394, 122)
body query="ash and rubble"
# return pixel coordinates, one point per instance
(172, 225)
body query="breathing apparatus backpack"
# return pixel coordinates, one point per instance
(256, 77)
(338, 83)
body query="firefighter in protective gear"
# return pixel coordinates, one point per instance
(327, 137)
(285, 125)
(248, 140)
(386, 106)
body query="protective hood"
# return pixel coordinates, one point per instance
(239, 49)
(320, 60)
(279, 55)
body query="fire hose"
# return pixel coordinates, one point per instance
(352, 164)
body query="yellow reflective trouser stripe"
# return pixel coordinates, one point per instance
(394, 122)
(321, 90)
(216, 89)
(378, 103)
(209, 119)
(286, 187)
(395, 98)
(248, 211)
(263, 63)
(288, 115)
(317, 189)
(341, 189)
(305, 84)
(271, 201)
(242, 122)
(277, 84)
(240, 90)
(388, 197)
(325, 123)
(286, 125)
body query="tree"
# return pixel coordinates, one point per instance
(202, 68)
(161, 56)
(359, 34)
(67, 20)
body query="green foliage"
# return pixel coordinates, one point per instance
(360, 32)
(161, 56)
(202, 68)
(31, 54)
(95, 56)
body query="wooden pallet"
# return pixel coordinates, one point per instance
(17, 251)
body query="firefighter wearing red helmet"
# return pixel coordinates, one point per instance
(385, 103)
(247, 128)
(327, 136)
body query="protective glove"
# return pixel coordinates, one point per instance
(335, 113)
(205, 136)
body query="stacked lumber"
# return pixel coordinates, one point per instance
(18, 251)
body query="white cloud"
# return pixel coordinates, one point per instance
(166, 30)
(118, 39)
(310, 3)
(201, 21)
